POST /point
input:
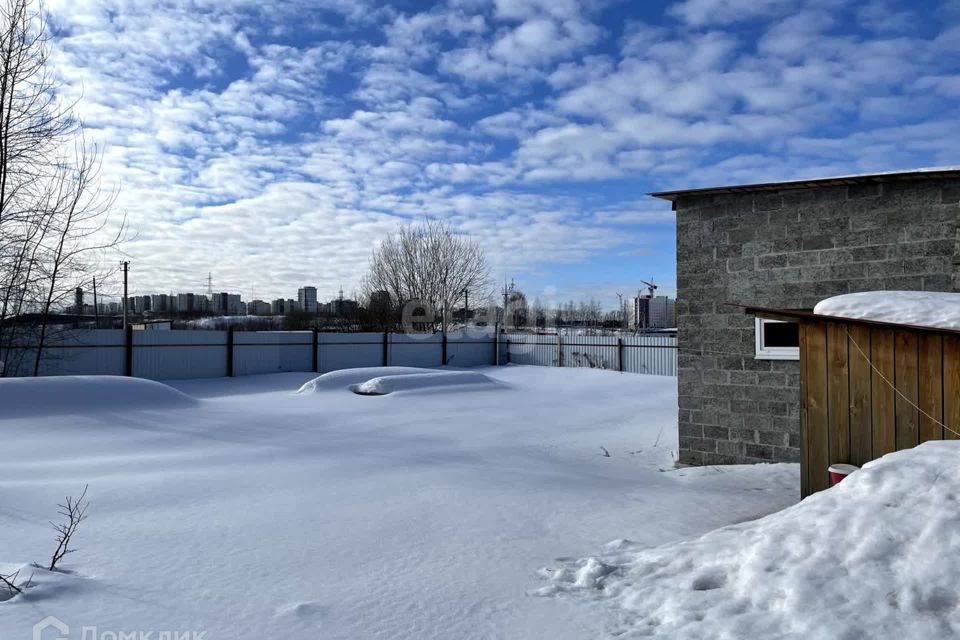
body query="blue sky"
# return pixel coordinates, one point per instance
(274, 144)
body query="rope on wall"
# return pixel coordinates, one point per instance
(894, 387)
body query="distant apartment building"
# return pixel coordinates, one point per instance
(341, 307)
(307, 298)
(280, 307)
(138, 304)
(227, 304)
(644, 312)
(235, 305)
(160, 303)
(187, 303)
(663, 314)
(258, 308)
(219, 303)
(638, 312)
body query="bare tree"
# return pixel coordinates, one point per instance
(54, 223)
(74, 510)
(430, 265)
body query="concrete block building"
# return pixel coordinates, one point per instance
(789, 245)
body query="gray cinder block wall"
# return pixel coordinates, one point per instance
(789, 248)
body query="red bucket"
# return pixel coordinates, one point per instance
(840, 471)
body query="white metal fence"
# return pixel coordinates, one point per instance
(164, 355)
(651, 353)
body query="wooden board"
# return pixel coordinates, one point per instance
(861, 401)
(906, 367)
(817, 407)
(951, 387)
(838, 393)
(804, 429)
(881, 385)
(930, 372)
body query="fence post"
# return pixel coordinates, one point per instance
(496, 344)
(443, 353)
(508, 350)
(128, 352)
(386, 348)
(316, 350)
(230, 351)
(559, 349)
(620, 354)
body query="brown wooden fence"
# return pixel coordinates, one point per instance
(871, 388)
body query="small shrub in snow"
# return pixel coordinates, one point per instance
(75, 512)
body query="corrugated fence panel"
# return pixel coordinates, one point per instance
(169, 355)
(348, 350)
(416, 350)
(594, 352)
(474, 349)
(652, 354)
(164, 355)
(271, 352)
(539, 350)
(82, 352)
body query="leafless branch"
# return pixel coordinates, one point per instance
(10, 583)
(75, 512)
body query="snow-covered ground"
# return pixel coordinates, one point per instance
(875, 557)
(244, 509)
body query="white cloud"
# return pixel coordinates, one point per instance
(274, 143)
(706, 12)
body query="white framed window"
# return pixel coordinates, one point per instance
(777, 339)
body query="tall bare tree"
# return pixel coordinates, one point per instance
(53, 215)
(428, 264)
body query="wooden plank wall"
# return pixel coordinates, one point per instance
(850, 411)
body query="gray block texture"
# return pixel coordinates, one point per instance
(788, 249)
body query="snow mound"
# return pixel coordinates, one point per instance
(921, 308)
(21, 397)
(450, 380)
(875, 557)
(346, 378)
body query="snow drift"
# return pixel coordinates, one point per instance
(346, 378)
(921, 308)
(21, 397)
(876, 556)
(452, 380)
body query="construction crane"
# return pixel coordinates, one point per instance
(650, 287)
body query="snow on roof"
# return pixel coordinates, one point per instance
(854, 178)
(917, 308)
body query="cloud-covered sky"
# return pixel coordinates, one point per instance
(274, 143)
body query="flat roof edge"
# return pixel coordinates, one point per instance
(914, 174)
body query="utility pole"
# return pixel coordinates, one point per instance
(126, 269)
(506, 299)
(96, 305)
(622, 311)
